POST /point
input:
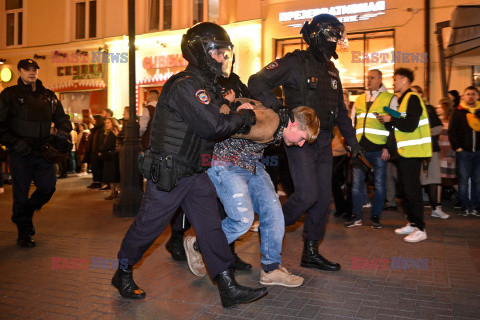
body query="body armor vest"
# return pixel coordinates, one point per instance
(33, 114)
(319, 89)
(171, 135)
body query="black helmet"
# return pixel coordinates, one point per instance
(57, 148)
(203, 38)
(322, 34)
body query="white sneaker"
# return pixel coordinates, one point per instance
(416, 236)
(367, 205)
(82, 174)
(438, 213)
(475, 213)
(405, 230)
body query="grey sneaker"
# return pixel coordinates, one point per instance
(353, 223)
(438, 213)
(280, 277)
(476, 212)
(463, 211)
(194, 258)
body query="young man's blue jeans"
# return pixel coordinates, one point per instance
(380, 179)
(468, 166)
(244, 193)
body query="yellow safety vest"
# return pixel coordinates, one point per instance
(416, 144)
(367, 123)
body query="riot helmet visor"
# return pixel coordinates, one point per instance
(224, 56)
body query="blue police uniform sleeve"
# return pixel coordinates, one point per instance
(277, 73)
(344, 122)
(195, 107)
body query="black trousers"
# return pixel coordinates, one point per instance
(24, 170)
(411, 189)
(198, 198)
(180, 223)
(311, 171)
(342, 200)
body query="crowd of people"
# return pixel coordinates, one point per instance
(454, 144)
(204, 138)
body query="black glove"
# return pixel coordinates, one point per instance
(357, 150)
(22, 148)
(64, 135)
(249, 119)
(284, 113)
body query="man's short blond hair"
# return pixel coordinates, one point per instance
(308, 121)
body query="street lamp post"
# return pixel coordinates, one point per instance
(128, 204)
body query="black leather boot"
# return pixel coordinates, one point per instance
(175, 247)
(240, 265)
(233, 294)
(312, 259)
(123, 281)
(25, 233)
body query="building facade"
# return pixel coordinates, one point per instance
(82, 45)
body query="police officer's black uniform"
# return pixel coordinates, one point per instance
(186, 123)
(310, 79)
(25, 123)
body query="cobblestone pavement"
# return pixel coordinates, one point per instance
(48, 283)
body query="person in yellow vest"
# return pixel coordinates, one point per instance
(372, 136)
(464, 136)
(409, 144)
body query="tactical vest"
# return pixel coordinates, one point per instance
(171, 135)
(367, 123)
(416, 144)
(32, 113)
(319, 89)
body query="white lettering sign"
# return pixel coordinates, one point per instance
(352, 12)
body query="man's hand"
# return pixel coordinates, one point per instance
(357, 150)
(385, 118)
(22, 148)
(459, 150)
(385, 155)
(249, 119)
(245, 106)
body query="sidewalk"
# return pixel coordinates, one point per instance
(47, 282)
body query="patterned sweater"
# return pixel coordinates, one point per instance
(242, 153)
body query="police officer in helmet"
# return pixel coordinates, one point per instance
(27, 111)
(309, 78)
(186, 123)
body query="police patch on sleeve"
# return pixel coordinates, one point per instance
(272, 65)
(202, 96)
(334, 84)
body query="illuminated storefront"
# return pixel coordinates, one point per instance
(159, 56)
(80, 82)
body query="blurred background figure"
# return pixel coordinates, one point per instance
(81, 146)
(96, 138)
(108, 153)
(430, 173)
